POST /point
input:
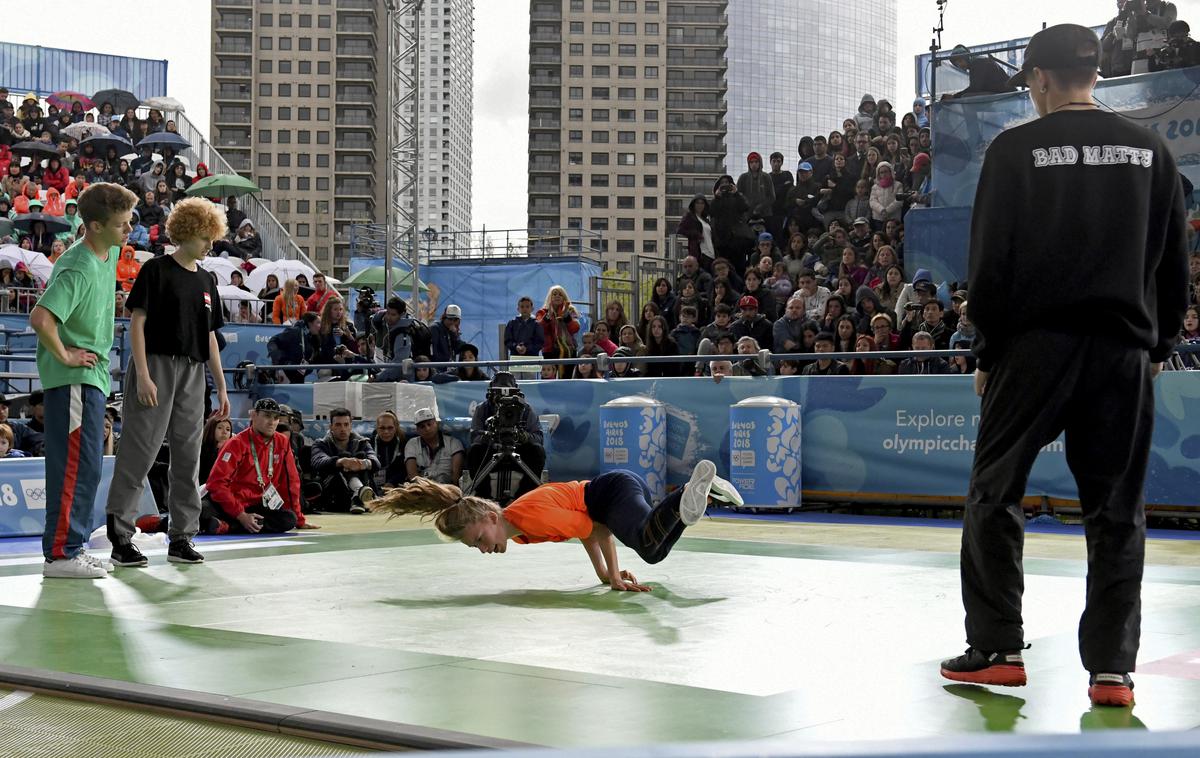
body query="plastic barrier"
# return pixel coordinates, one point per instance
(764, 451)
(633, 436)
(23, 496)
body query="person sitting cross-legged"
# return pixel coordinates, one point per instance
(344, 462)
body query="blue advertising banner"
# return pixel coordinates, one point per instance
(1167, 102)
(884, 437)
(23, 496)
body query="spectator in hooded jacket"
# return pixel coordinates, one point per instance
(757, 188)
(446, 335)
(697, 228)
(732, 236)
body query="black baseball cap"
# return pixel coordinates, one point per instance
(268, 405)
(1059, 47)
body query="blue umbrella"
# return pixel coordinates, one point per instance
(102, 142)
(166, 139)
(54, 224)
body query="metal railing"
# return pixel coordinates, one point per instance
(369, 241)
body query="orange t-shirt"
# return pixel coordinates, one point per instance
(551, 513)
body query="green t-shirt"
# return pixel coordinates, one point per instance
(81, 295)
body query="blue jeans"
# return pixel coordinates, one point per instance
(74, 451)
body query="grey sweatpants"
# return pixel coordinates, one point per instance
(179, 416)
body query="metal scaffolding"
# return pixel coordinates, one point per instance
(403, 136)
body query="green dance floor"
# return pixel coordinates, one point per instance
(754, 630)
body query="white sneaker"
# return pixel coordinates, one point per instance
(97, 560)
(694, 502)
(73, 568)
(725, 492)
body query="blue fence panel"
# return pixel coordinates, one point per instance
(45, 70)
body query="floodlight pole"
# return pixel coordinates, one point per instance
(403, 138)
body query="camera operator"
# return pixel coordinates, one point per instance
(505, 419)
(1135, 18)
(1181, 51)
(364, 309)
(399, 338)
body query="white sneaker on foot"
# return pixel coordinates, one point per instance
(725, 492)
(694, 502)
(72, 568)
(100, 561)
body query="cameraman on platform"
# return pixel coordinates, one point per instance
(505, 418)
(364, 308)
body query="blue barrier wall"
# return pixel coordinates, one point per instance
(885, 437)
(46, 70)
(23, 496)
(937, 238)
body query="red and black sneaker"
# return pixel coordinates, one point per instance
(1111, 689)
(1005, 668)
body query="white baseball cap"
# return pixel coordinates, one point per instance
(453, 311)
(424, 414)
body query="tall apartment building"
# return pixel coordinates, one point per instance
(626, 115)
(801, 68)
(299, 104)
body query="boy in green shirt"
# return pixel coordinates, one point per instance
(74, 324)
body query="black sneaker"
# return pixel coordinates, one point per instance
(1111, 689)
(127, 554)
(1005, 668)
(181, 551)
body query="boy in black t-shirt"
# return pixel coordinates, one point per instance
(176, 312)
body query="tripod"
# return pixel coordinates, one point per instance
(506, 453)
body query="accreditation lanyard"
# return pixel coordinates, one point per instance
(258, 468)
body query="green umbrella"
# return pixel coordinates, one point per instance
(223, 185)
(372, 276)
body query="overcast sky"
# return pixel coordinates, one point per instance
(178, 31)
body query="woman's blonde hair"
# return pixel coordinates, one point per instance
(289, 291)
(550, 297)
(196, 218)
(445, 504)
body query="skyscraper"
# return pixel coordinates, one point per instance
(626, 115)
(299, 102)
(801, 68)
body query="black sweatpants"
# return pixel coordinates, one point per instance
(621, 501)
(1098, 391)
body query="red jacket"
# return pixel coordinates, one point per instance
(56, 179)
(563, 327)
(233, 482)
(316, 301)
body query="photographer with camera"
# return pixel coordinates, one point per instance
(505, 423)
(364, 309)
(399, 338)
(1135, 26)
(1181, 51)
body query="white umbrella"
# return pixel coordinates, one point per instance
(256, 262)
(38, 264)
(141, 256)
(229, 292)
(83, 130)
(163, 104)
(222, 267)
(283, 269)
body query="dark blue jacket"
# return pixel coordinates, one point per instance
(293, 346)
(524, 331)
(445, 343)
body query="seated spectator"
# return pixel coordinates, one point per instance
(881, 331)
(337, 339)
(748, 347)
(560, 323)
(752, 324)
(787, 332)
(586, 371)
(30, 436)
(780, 283)
(913, 297)
(824, 366)
(603, 338)
(661, 343)
(850, 268)
(719, 369)
(254, 486)
(886, 202)
(127, 268)
(812, 294)
(139, 235)
(845, 334)
(621, 367)
(614, 314)
(388, 442)
(345, 465)
(866, 366)
(523, 335)
(529, 442)
(445, 335)
(964, 337)
(321, 295)
(433, 454)
(296, 345)
(789, 368)
(723, 294)
(723, 269)
(468, 353)
(217, 431)
(630, 339)
(721, 324)
(665, 300)
(288, 306)
(756, 288)
(835, 308)
(701, 279)
(932, 323)
(233, 215)
(548, 372)
(247, 241)
(6, 443)
(922, 364)
(649, 313)
(686, 335)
